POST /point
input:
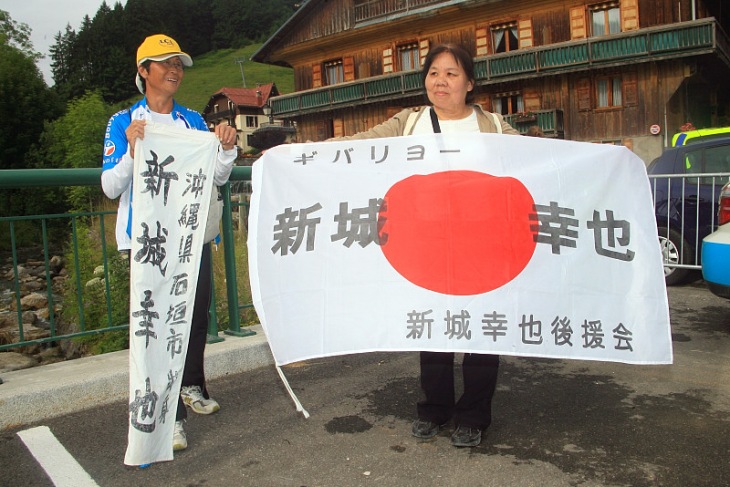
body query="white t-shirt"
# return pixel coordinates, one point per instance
(162, 118)
(468, 124)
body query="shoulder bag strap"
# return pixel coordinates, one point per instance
(434, 121)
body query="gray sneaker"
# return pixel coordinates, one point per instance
(193, 397)
(466, 436)
(424, 429)
(179, 438)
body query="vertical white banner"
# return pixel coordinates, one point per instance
(173, 180)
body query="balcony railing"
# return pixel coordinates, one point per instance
(682, 39)
(549, 121)
(381, 8)
(220, 115)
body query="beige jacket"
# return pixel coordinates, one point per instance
(397, 124)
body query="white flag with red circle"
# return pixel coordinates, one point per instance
(480, 243)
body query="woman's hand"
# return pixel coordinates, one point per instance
(134, 131)
(227, 136)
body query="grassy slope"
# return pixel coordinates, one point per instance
(219, 69)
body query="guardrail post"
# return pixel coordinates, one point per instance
(229, 255)
(213, 336)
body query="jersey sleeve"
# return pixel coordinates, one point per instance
(117, 164)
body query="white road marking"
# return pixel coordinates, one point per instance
(60, 466)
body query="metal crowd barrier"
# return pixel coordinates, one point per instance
(686, 210)
(48, 178)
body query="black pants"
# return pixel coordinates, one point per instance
(474, 407)
(194, 371)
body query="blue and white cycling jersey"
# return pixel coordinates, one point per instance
(118, 165)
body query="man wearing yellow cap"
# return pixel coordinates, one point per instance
(160, 70)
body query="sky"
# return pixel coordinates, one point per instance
(48, 17)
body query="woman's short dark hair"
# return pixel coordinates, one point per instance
(463, 59)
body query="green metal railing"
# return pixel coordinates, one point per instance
(681, 39)
(549, 121)
(38, 178)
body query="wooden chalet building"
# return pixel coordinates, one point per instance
(241, 107)
(626, 72)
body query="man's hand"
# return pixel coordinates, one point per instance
(227, 136)
(134, 131)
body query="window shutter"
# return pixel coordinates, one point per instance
(584, 94)
(524, 33)
(323, 130)
(531, 100)
(629, 15)
(578, 23)
(482, 41)
(338, 127)
(316, 76)
(631, 89)
(348, 68)
(423, 47)
(388, 61)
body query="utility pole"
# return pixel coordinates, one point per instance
(240, 62)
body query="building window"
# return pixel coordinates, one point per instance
(408, 59)
(605, 19)
(506, 103)
(608, 92)
(334, 72)
(252, 121)
(504, 37)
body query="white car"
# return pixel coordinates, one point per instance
(716, 250)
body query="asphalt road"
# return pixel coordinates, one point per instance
(556, 423)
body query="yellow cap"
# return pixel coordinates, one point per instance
(159, 47)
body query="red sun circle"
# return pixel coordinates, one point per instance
(458, 232)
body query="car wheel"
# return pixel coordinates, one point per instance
(674, 251)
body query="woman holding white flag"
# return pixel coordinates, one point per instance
(448, 76)
(160, 70)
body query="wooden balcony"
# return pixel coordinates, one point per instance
(378, 9)
(684, 39)
(550, 121)
(220, 115)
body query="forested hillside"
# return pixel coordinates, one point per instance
(98, 56)
(94, 68)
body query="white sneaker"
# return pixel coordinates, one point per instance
(179, 438)
(193, 396)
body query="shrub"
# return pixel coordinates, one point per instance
(95, 298)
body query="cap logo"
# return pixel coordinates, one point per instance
(167, 42)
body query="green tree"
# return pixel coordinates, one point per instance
(195, 27)
(17, 35)
(25, 103)
(23, 107)
(95, 58)
(76, 140)
(61, 59)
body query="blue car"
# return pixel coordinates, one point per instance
(686, 183)
(716, 250)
